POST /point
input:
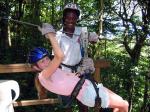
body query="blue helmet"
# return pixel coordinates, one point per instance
(37, 54)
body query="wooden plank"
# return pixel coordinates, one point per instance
(15, 68)
(36, 102)
(102, 63)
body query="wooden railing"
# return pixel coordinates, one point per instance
(23, 68)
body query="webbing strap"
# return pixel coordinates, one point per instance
(78, 86)
(76, 91)
(98, 99)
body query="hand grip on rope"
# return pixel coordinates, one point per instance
(46, 28)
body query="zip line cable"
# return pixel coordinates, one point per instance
(21, 22)
(30, 24)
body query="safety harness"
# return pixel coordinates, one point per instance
(75, 91)
(78, 87)
(74, 67)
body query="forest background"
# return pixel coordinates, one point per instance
(123, 27)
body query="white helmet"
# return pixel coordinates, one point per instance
(72, 6)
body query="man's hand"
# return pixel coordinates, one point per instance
(87, 66)
(93, 37)
(46, 28)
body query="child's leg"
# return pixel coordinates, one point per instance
(115, 101)
(42, 92)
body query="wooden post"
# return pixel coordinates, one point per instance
(102, 63)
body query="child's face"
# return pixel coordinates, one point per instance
(43, 63)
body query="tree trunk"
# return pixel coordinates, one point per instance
(4, 40)
(145, 105)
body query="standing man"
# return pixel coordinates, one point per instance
(69, 39)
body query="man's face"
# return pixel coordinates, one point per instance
(70, 19)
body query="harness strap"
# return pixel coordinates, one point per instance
(74, 67)
(78, 86)
(98, 99)
(76, 91)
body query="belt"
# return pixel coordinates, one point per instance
(74, 67)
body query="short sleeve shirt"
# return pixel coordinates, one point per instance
(63, 84)
(70, 46)
(60, 82)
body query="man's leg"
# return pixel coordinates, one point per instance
(82, 108)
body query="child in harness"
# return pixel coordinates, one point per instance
(60, 82)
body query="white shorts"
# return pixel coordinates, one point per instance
(89, 96)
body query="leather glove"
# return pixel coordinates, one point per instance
(86, 66)
(93, 37)
(46, 28)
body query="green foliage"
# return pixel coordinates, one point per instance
(119, 77)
